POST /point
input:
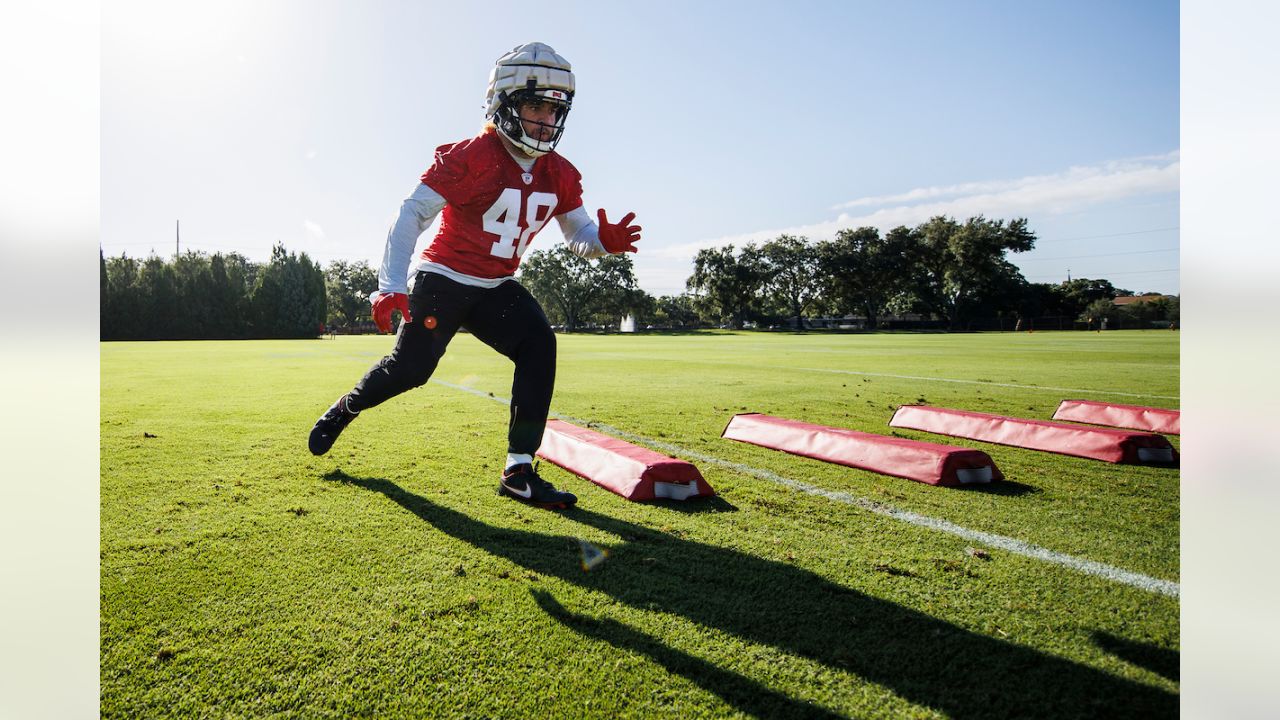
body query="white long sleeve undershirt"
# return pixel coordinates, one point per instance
(418, 211)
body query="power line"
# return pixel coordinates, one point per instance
(1142, 272)
(1108, 274)
(1123, 234)
(243, 250)
(203, 245)
(1077, 257)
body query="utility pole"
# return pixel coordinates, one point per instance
(177, 238)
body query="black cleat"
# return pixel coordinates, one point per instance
(522, 483)
(330, 426)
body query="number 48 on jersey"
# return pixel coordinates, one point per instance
(503, 219)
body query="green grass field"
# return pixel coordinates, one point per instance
(243, 577)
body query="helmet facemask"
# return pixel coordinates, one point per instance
(512, 126)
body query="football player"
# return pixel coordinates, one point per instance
(496, 191)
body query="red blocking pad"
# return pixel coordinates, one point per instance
(1108, 444)
(1137, 417)
(911, 459)
(634, 472)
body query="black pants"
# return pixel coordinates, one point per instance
(505, 318)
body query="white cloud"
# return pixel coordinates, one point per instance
(1072, 176)
(1067, 191)
(314, 231)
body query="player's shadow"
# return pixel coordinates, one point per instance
(1156, 659)
(925, 660)
(744, 694)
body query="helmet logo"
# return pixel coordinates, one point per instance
(527, 178)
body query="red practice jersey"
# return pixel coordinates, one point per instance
(493, 207)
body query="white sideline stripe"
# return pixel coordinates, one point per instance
(1013, 545)
(989, 382)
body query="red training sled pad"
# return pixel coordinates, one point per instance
(1137, 417)
(1126, 446)
(631, 471)
(911, 459)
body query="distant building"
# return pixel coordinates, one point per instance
(1132, 299)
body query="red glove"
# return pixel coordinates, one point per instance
(384, 304)
(621, 237)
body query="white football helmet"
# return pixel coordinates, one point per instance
(530, 71)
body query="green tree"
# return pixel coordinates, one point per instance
(1081, 293)
(675, 311)
(728, 284)
(1099, 310)
(621, 295)
(105, 329)
(289, 297)
(1145, 313)
(1035, 300)
(241, 278)
(194, 283)
(961, 267)
(123, 305)
(791, 267)
(228, 298)
(348, 285)
(862, 272)
(573, 290)
(161, 315)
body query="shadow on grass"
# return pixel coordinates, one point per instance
(1008, 487)
(1156, 659)
(744, 694)
(696, 506)
(920, 658)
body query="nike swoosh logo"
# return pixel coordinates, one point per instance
(526, 493)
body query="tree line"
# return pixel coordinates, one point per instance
(195, 296)
(954, 274)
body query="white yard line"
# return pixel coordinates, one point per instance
(1013, 545)
(996, 384)
(1021, 386)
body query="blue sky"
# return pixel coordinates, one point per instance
(308, 122)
